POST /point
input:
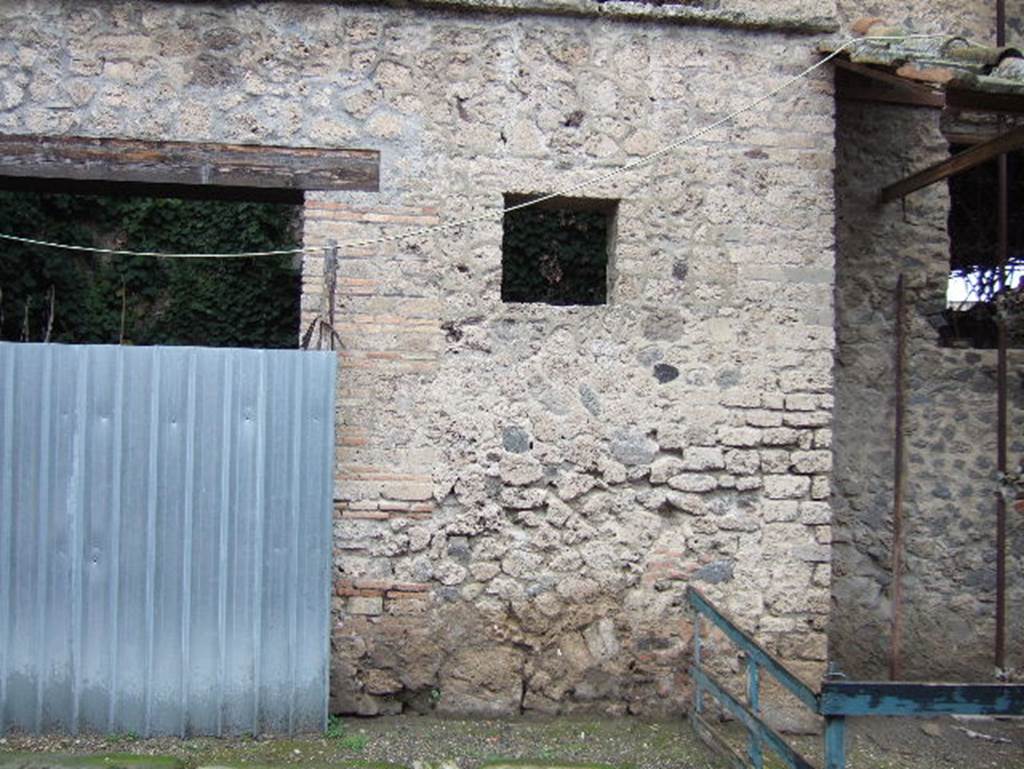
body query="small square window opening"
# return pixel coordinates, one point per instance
(557, 252)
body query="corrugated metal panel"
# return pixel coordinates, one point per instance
(165, 539)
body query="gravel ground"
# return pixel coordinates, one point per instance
(426, 742)
(406, 740)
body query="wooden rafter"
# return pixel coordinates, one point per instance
(870, 84)
(963, 161)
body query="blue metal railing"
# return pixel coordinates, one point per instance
(835, 701)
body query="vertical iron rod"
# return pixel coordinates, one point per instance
(1001, 426)
(331, 284)
(896, 628)
(1004, 247)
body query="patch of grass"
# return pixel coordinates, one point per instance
(532, 763)
(335, 728)
(355, 742)
(338, 731)
(28, 760)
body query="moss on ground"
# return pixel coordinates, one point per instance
(35, 760)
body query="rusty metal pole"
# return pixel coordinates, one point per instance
(896, 627)
(1004, 248)
(1001, 426)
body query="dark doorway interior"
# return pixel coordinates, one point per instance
(66, 296)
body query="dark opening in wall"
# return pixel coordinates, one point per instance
(80, 297)
(557, 252)
(976, 292)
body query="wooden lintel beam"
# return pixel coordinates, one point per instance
(963, 161)
(186, 164)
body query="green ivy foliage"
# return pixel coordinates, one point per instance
(251, 302)
(555, 256)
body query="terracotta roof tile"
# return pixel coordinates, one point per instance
(946, 61)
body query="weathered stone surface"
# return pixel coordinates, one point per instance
(715, 572)
(365, 605)
(481, 681)
(521, 476)
(664, 468)
(664, 372)
(517, 470)
(949, 416)
(812, 461)
(698, 458)
(515, 439)
(786, 486)
(693, 482)
(740, 436)
(632, 447)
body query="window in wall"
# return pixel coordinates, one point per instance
(975, 291)
(557, 252)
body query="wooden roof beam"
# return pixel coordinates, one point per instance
(882, 86)
(963, 161)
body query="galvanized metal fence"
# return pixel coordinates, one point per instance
(165, 539)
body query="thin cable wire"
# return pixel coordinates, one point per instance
(156, 254)
(496, 213)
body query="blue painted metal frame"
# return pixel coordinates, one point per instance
(837, 699)
(898, 698)
(759, 733)
(753, 650)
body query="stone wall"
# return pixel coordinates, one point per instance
(949, 509)
(524, 491)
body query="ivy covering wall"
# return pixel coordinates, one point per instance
(248, 302)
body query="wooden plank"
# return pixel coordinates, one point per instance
(139, 189)
(782, 749)
(963, 161)
(185, 164)
(754, 651)
(864, 698)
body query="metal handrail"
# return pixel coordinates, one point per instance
(757, 658)
(836, 700)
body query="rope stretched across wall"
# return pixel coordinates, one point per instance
(496, 213)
